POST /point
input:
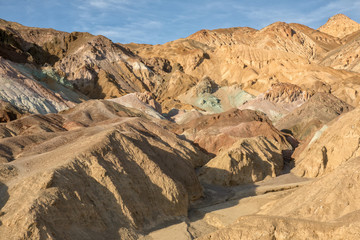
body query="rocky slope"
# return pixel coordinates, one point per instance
(278, 101)
(322, 209)
(346, 56)
(218, 132)
(330, 147)
(320, 109)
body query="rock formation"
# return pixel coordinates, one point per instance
(312, 115)
(218, 132)
(278, 101)
(247, 160)
(340, 137)
(114, 174)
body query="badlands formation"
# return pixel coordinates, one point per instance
(231, 133)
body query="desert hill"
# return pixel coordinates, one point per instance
(231, 133)
(339, 26)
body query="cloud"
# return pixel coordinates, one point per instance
(138, 31)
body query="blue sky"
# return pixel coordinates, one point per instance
(160, 21)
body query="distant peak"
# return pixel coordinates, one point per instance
(339, 16)
(339, 26)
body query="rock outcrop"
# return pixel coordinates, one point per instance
(278, 101)
(8, 112)
(247, 160)
(331, 146)
(218, 132)
(312, 115)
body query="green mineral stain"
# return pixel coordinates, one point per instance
(44, 75)
(209, 103)
(239, 98)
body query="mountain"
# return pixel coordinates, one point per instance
(339, 26)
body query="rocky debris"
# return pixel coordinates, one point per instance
(339, 26)
(218, 132)
(312, 115)
(247, 160)
(116, 176)
(339, 137)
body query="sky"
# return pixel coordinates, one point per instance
(160, 21)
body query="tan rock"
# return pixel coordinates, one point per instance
(330, 147)
(112, 179)
(340, 26)
(247, 160)
(312, 115)
(218, 132)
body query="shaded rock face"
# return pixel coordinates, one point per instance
(312, 115)
(218, 132)
(247, 160)
(115, 174)
(8, 112)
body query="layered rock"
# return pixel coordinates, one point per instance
(218, 132)
(279, 100)
(345, 57)
(312, 115)
(22, 89)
